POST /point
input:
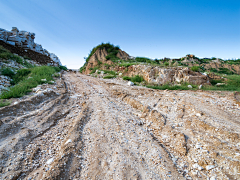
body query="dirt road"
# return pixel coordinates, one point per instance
(88, 128)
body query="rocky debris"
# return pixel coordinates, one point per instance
(4, 83)
(25, 40)
(158, 75)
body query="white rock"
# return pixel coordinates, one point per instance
(15, 103)
(50, 161)
(44, 80)
(68, 141)
(200, 87)
(213, 178)
(220, 84)
(130, 83)
(198, 114)
(120, 74)
(209, 167)
(189, 86)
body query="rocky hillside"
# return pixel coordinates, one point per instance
(108, 57)
(22, 43)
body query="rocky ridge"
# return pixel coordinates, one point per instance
(25, 40)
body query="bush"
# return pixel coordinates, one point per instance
(127, 78)
(166, 64)
(20, 75)
(7, 72)
(195, 68)
(109, 77)
(137, 78)
(63, 68)
(109, 72)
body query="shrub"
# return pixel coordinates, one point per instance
(20, 75)
(63, 68)
(57, 69)
(109, 77)
(137, 78)
(127, 78)
(166, 64)
(109, 72)
(7, 72)
(195, 68)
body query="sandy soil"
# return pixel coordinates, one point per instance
(90, 128)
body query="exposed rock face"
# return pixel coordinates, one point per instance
(158, 75)
(123, 55)
(99, 55)
(25, 40)
(217, 65)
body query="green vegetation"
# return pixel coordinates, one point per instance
(109, 77)
(7, 72)
(136, 78)
(232, 84)
(127, 78)
(195, 68)
(4, 102)
(25, 84)
(111, 49)
(6, 54)
(109, 72)
(63, 68)
(20, 75)
(184, 86)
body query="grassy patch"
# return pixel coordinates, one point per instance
(26, 84)
(109, 77)
(127, 78)
(174, 87)
(232, 84)
(195, 68)
(136, 78)
(7, 72)
(4, 102)
(109, 72)
(63, 68)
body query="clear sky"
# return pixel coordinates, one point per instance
(154, 29)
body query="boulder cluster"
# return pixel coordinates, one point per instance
(25, 40)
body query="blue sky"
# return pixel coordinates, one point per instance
(154, 29)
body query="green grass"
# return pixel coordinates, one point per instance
(26, 84)
(232, 84)
(195, 68)
(174, 87)
(109, 77)
(63, 68)
(4, 102)
(109, 72)
(136, 78)
(7, 72)
(127, 78)
(127, 64)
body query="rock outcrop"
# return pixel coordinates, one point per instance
(25, 40)
(158, 75)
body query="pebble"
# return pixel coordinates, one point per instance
(209, 167)
(50, 161)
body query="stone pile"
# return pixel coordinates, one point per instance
(25, 40)
(4, 83)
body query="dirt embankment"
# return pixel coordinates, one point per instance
(87, 128)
